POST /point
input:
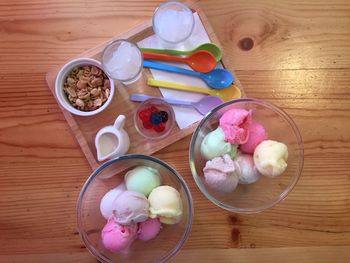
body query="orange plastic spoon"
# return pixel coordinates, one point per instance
(201, 61)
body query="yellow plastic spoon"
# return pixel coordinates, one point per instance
(230, 93)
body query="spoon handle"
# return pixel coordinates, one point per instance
(165, 67)
(142, 97)
(176, 86)
(164, 57)
(167, 51)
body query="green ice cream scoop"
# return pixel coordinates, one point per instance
(142, 179)
(214, 145)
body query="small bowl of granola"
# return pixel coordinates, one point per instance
(83, 88)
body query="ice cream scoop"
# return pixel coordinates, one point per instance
(270, 158)
(214, 145)
(106, 205)
(234, 123)
(257, 134)
(142, 179)
(116, 237)
(248, 172)
(165, 203)
(221, 174)
(149, 229)
(130, 207)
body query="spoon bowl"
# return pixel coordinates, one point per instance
(218, 78)
(202, 61)
(212, 48)
(205, 105)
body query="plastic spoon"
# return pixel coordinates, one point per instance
(201, 61)
(203, 106)
(211, 47)
(218, 78)
(230, 93)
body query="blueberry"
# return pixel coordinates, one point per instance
(156, 118)
(164, 115)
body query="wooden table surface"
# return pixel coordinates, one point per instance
(299, 60)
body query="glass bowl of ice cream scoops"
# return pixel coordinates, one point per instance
(134, 208)
(246, 155)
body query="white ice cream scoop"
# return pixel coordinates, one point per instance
(106, 205)
(248, 172)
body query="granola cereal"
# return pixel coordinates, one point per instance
(87, 88)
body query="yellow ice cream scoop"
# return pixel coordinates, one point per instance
(165, 203)
(270, 158)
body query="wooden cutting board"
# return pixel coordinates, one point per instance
(85, 128)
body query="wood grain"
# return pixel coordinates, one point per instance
(288, 255)
(300, 61)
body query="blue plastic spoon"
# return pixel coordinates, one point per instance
(217, 79)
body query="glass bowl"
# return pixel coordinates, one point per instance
(266, 192)
(173, 22)
(150, 132)
(90, 221)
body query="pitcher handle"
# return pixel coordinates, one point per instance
(119, 122)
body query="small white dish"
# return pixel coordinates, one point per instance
(112, 141)
(61, 78)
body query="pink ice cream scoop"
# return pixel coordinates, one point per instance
(130, 207)
(234, 123)
(116, 237)
(149, 229)
(222, 174)
(257, 134)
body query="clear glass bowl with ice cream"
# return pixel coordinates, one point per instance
(134, 208)
(246, 155)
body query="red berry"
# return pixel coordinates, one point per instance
(145, 115)
(160, 127)
(153, 109)
(147, 125)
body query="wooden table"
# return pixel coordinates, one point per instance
(295, 54)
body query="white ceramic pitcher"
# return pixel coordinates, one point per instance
(112, 141)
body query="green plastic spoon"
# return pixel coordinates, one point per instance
(211, 47)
